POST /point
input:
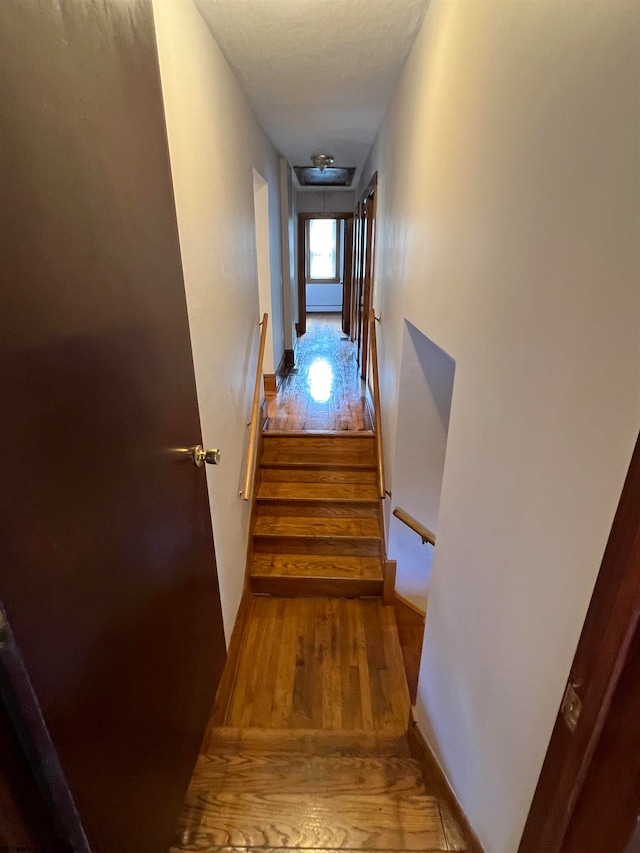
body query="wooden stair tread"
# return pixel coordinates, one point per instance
(290, 773)
(326, 664)
(304, 459)
(287, 525)
(269, 490)
(316, 565)
(293, 474)
(358, 803)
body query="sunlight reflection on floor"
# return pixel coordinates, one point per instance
(320, 377)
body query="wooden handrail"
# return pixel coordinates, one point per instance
(423, 532)
(373, 346)
(255, 416)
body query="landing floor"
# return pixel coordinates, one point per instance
(320, 663)
(314, 755)
(324, 392)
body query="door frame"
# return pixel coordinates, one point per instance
(301, 325)
(363, 271)
(30, 730)
(611, 624)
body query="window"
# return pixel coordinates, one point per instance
(323, 250)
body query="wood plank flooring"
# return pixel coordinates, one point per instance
(320, 664)
(325, 391)
(297, 801)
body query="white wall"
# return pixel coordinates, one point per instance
(424, 404)
(289, 239)
(263, 264)
(331, 201)
(508, 233)
(324, 297)
(215, 143)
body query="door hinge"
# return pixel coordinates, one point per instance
(571, 707)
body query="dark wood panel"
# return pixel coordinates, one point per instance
(608, 807)
(108, 569)
(607, 635)
(26, 821)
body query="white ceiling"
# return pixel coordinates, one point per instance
(318, 73)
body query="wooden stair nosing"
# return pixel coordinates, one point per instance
(313, 465)
(227, 739)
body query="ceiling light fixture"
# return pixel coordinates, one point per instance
(321, 161)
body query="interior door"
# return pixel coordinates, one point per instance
(107, 566)
(588, 795)
(607, 809)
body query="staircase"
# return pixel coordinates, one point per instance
(318, 527)
(311, 753)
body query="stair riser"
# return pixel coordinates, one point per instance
(338, 545)
(320, 509)
(233, 741)
(316, 587)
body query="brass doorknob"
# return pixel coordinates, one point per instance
(200, 456)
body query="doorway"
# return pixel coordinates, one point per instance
(588, 794)
(361, 297)
(324, 265)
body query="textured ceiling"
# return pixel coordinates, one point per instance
(319, 73)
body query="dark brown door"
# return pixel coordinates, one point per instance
(588, 795)
(107, 567)
(608, 806)
(25, 819)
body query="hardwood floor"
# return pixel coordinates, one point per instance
(315, 663)
(325, 391)
(314, 754)
(296, 801)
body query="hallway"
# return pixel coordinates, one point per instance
(311, 749)
(324, 391)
